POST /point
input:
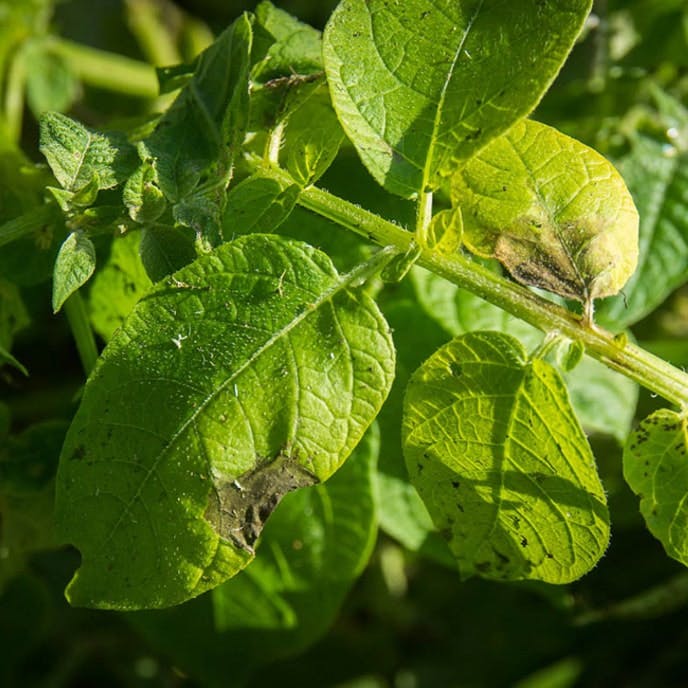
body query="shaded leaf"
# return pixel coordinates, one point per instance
(272, 369)
(117, 286)
(165, 250)
(259, 203)
(554, 212)
(654, 465)
(657, 176)
(421, 85)
(497, 454)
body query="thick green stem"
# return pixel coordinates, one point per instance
(653, 373)
(77, 316)
(108, 70)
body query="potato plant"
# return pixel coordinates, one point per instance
(325, 287)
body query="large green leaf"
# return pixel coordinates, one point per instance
(421, 85)
(497, 454)
(554, 212)
(312, 549)
(654, 465)
(248, 374)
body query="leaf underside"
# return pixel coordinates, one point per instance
(271, 370)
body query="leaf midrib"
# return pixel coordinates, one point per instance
(325, 297)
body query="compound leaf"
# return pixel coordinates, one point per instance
(263, 369)
(498, 456)
(554, 212)
(421, 85)
(654, 465)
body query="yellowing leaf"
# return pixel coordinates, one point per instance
(554, 212)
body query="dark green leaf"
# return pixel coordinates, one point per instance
(206, 123)
(421, 85)
(166, 249)
(269, 368)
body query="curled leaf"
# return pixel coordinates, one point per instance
(554, 212)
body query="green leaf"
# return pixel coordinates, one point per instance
(283, 45)
(654, 465)
(312, 134)
(142, 196)
(206, 123)
(75, 264)
(50, 83)
(657, 176)
(117, 286)
(421, 85)
(265, 369)
(260, 203)
(6, 358)
(554, 212)
(166, 249)
(497, 454)
(312, 549)
(79, 156)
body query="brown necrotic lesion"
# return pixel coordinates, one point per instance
(238, 509)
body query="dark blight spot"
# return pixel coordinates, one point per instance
(237, 510)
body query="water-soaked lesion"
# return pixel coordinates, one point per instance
(237, 509)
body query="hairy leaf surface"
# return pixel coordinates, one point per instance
(498, 456)
(270, 369)
(421, 85)
(654, 465)
(554, 212)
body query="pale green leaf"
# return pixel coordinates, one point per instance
(75, 264)
(496, 452)
(248, 374)
(50, 83)
(657, 176)
(117, 286)
(654, 465)
(421, 85)
(554, 212)
(312, 549)
(79, 156)
(206, 123)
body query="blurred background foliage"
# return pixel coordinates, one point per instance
(408, 622)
